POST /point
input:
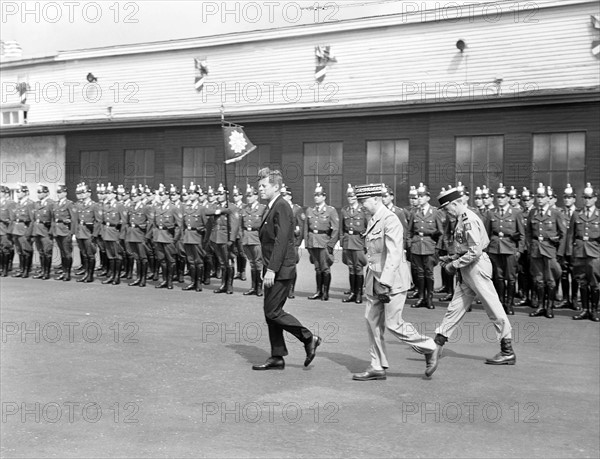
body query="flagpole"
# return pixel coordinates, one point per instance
(225, 184)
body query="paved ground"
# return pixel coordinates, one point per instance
(118, 371)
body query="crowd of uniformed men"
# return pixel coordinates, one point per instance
(169, 233)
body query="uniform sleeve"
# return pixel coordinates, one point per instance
(562, 234)
(393, 234)
(570, 235)
(335, 228)
(472, 231)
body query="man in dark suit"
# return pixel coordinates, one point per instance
(279, 255)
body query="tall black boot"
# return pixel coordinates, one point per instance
(117, 276)
(585, 303)
(194, 284)
(171, 273)
(359, 282)
(506, 356)
(21, 270)
(566, 297)
(541, 310)
(229, 283)
(110, 274)
(150, 268)
(43, 268)
(207, 270)
(129, 269)
(291, 291)
(47, 268)
(319, 293)
(421, 294)
(85, 261)
(429, 293)
(259, 283)
(91, 269)
(11, 259)
(241, 266)
(157, 268)
(83, 268)
(551, 300)
(252, 290)
(163, 266)
(594, 300)
(180, 266)
(326, 284)
(352, 296)
(199, 276)
(138, 277)
(143, 272)
(67, 267)
(223, 287)
(62, 271)
(3, 264)
(510, 298)
(104, 264)
(125, 266)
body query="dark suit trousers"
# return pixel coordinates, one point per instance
(278, 320)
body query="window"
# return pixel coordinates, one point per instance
(246, 170)
(94, 167)
(479, 161)
(139, 167)
(323, 164)
(387, 162)
(12, 117)
(200, 167)
(558, 159)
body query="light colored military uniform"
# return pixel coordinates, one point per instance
(474, 278)
(387, 264)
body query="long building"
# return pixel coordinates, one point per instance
(487, 93)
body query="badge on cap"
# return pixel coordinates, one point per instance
(501, 191)
(319, 189)
(422, 190)
(588, 191)
(412, 192)
(350, 190)
(569, 191)
(541, 189)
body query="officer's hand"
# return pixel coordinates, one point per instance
(517, 255)
(384, 297)
(450, 268)
(330, 250)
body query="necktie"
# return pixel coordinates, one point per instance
(502, 212)
(589, 213)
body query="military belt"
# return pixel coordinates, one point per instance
(315, 231)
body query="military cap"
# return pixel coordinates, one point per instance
(235, 191)
(422, 190)
(541, 190)
(319, 189)
(161, 190)
(110, 189)
(284, 190)
(194, 188)
(210, 191)
(501, 191)
(478, 193)
(550, 191)
(250, 190)
(61, 188)
(589, 191)
(446, 196)
(42, 188)
(220, 190)
(184, 190)
(388, 191)
(22, 188)
(4, 189)
(173, 190)
(350, 190)
(135, 191)
(463, 188)
(569, 191)
(512, 193)
(100, 188)
(486, 192)
(525, 194)
(412, 192)
(120, 189)
(369, 190)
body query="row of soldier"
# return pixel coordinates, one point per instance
(169, 229)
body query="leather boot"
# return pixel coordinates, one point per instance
(3, 264)
(319, 293)
(585, 303)
(67, 269)
(193, 285)
(594, 300)
(163, 267)
(110, 273)
(21, 270)
(11, 259)
(252, 290)
(47, 268)
(143, 272)
(326, 284)
(506, 356)
(63, 269)
(291, 292)
(207, 270)
(566, 298)
(421, 294)
(230, 273)
(84, 262)
(219, 273)
(349, 292)
(574, 294)
(125, 265)
(541, 310)
(241, 265)
(83, 267)
(223, 287)
(104, 264)
(429, 293)
(259, 283)
(157, 268)
(117, 277)
(180, 269)
(43, 268)
(91, 268)
(551, 300)
(138, 277)
(171, 274)
(510, 299)
(352, 297)
(359, 282)
(150, 268)
(129, 270)
(199, 277)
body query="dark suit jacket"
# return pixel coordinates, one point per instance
(277, 240)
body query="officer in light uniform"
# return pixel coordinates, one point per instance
(7, 207)
(505, 228)
(568, 283)
(583, 248)
(21, 229)
(474, 271)
(387, 281)
(89, 221)
(251, 216)
(322, 229)
(546, 234)
(42, 221)
(299, 219)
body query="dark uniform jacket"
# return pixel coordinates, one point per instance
(218, 235)
(299, 219)
(89, 219)
(7, 207)
(167, 222)
(196, 224)
(322, 227)
(139, 222)
(506, 232)
(21, 218)
(583, 238)
(546, 233)
(42, 218)
(424, 231)
(353, 225)
(114, 218)
(251, 218)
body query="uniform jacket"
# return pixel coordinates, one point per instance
(386, 259)
(139, 222)
(89, 219)
(546, 233)
(277, 240)
(64, 218)
(21, 218)
(321, 227)
(114, 218)
(250, 220)
(196, 224)
(42, 218)
(167, 221)
(506, 232)
(470, 239)
(447, 240)
(583, 237)
(424, 231)
(7, 207)
(352, 226)
(299, 218)
(218, 235)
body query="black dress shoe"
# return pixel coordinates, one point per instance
(369, 375)
(447, 297)
(272, 363)
(311, 349)
(422, 303)
(432, 360)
